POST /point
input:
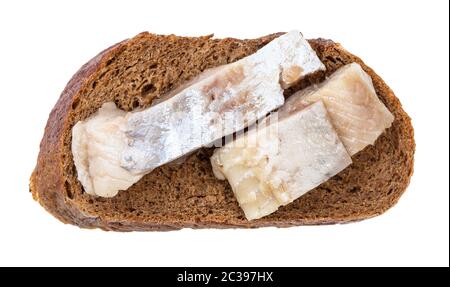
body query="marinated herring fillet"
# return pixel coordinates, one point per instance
(117, 149)
(357, 116)
(95, 147)
(356, 112)
(277, 162)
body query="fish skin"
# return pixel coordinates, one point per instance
(227, 100)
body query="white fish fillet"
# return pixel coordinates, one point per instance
(357, 113)
(96, 149)
(358, 118)
(227, 100)
(273, 165)
(113, 149)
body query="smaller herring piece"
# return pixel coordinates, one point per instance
(281, 159)
(97, 145)
(356, 112)
(112, 149)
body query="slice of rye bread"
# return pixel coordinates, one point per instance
(135, 72)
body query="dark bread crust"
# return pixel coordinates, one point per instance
(188, 195)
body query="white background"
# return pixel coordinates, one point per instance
(43, 43)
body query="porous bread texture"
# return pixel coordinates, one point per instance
(139, 70)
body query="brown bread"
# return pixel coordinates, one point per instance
(139, 70)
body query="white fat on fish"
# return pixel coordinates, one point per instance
(356, 112)
(281, 159)
(112, 149)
